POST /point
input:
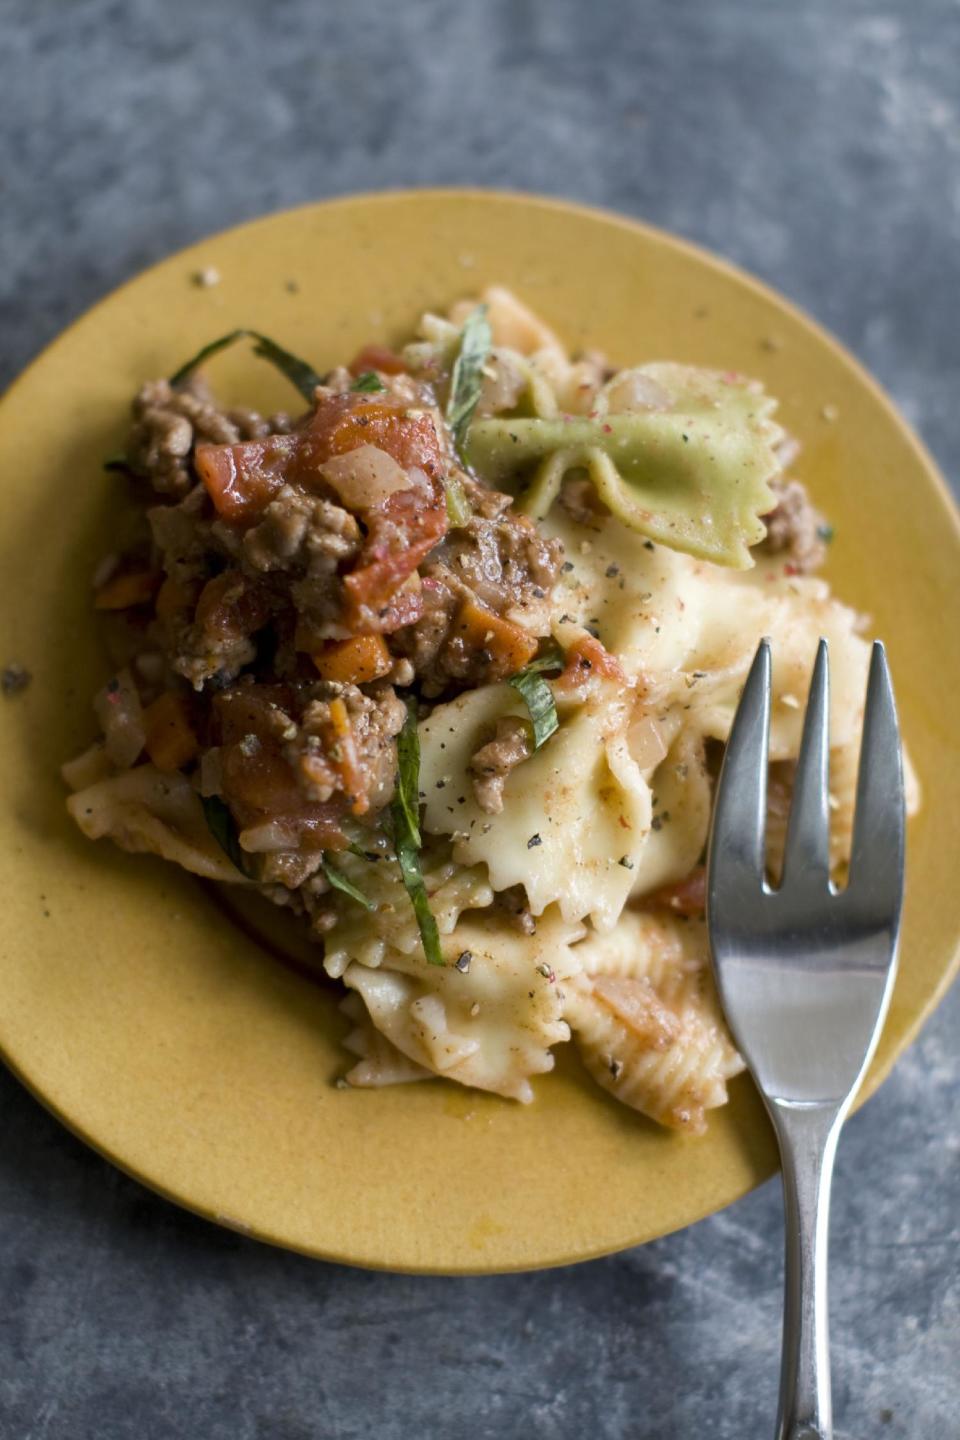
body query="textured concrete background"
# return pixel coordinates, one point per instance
(819, 146)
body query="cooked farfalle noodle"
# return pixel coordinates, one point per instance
(487, 1017)
(694, 476)
(681, 816)
(87, 768)
(367, 936)
(646, 1020)
(795, 612)
(576, 814)
(379, 1062)
(690, 630)
(145, 809)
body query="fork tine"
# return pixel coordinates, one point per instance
(806, 857)
(739, 818)
(876, 858)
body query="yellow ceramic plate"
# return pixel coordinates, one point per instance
(166, 1036)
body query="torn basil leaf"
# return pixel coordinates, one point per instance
(223, 828)
(405, 814)
(298, 372)
(369, 383)
(537, 695)
(466, 380)
(340, 882)
(408, 859)
(408, 775)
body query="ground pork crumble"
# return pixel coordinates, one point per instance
(298, 571)
(796, 530)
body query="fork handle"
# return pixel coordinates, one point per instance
(808, 1143)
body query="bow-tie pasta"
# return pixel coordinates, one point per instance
(489, 1015)
(576, 814)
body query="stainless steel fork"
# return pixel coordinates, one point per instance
(805, 973)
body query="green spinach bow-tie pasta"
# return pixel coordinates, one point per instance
(444, 660)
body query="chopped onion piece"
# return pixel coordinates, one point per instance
(365, 477)
(271, 835)
(120, 714)
(503, 384)
(632, 391)
(89, 768)
(646, 743)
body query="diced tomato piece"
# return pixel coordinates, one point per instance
(377, 357)
(242, 479)
(258, 782)
(230, 605)
(402, 531)
(684, 897)
(341, 423)
(587, 657)
(405, 608)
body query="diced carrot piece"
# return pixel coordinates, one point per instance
(133, 587)
(686, 897)
(343, 753)
(377, 357)
(339, 719)
(509, 646)
(356, 661)
(170, 739)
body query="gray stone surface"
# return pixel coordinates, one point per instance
(820, 147)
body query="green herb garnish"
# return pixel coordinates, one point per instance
(466, 380)
(405, 813)
(223, 828)
(368, 383)
(339, 881)
(298, 372)
(409, 861)
(408, 779)
(825, 533)
(537, 695)
(458, 506)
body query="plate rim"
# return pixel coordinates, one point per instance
(717, 263)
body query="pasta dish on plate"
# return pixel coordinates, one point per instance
(445, 666)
